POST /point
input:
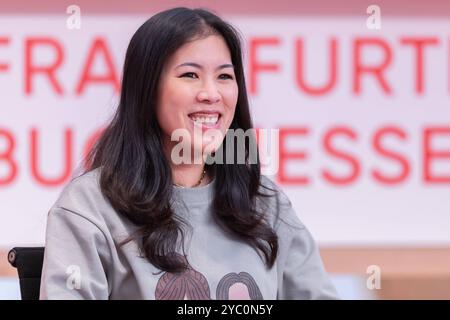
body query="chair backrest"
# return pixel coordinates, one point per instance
(28, 261)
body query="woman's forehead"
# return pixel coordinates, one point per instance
(211, 50)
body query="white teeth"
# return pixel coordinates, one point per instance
(211, 120)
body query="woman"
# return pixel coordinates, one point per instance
(154, 217)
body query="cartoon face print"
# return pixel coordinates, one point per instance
(240, 286)
(193, 285)
(186, 285)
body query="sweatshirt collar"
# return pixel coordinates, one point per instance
(198, 195)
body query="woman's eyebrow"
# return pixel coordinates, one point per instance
(196, 65)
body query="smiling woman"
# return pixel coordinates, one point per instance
(136, 225)
(196, 90)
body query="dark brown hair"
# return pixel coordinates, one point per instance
(136, 176)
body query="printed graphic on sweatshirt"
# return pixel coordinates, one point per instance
(193, 285)
(240, 286)
(186, 285)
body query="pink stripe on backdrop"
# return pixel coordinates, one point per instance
(240, 7)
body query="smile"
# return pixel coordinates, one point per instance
(206, 120)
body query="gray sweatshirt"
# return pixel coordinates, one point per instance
(83, 259)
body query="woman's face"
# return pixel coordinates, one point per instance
(198, 93)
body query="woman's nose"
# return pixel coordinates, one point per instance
(209, 93)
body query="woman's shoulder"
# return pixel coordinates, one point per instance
(278, 206)
(82, 195)
(271, 188)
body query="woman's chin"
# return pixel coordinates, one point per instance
(201, 152)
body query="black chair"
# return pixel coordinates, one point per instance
(28, 261)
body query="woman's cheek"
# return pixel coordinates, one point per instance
(230, 117)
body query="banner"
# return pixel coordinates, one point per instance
(363, 118)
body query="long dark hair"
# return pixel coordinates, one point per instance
(135, 175)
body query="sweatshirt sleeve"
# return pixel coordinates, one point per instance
(75, 259)
(300, 268)
(303, 274)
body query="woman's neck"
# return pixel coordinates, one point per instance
(189, 175)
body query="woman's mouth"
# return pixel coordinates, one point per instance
(205, 120)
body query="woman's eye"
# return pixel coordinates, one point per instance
(189, 75)
(193, 75)
(225, 76)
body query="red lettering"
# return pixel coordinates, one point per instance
(4, 66)
(286, 156)
(300, 70)
(377, 71)
(352, 161)
(429, 154)
(403, 162)
(7, 157)
(31, 69)
(99, 48)
(256, 66)
(418, 45)
(67, 163)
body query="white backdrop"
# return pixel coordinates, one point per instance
(359, 211)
